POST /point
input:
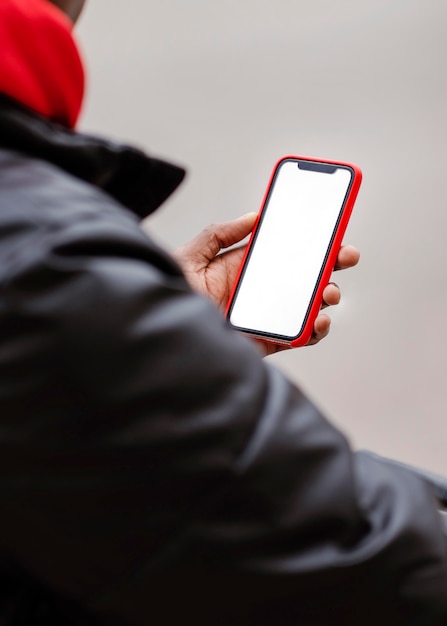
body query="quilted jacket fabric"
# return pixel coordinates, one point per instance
(153, 468)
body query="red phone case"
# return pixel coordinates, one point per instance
(307, 330)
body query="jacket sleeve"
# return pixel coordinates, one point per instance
(166, 470)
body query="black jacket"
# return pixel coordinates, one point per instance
(154, 470)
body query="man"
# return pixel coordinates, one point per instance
(154, 468)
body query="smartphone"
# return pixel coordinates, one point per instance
(293, 249)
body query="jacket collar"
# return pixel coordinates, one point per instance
(139, 182)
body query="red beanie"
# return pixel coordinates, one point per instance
(40, 66)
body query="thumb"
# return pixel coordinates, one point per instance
(229, 233)
(216, 237)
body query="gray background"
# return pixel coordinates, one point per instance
(228, 87)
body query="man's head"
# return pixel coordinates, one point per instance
(72, 8)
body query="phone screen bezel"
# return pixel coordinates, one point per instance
(310, 164)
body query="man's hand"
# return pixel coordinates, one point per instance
(212, 272)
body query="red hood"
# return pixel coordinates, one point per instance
(40, 66)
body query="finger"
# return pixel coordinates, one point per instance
(331, 295)
(215, 237)
(348, 256)
(321, 329)
(230, 233)
(266, 348)
(220, 236)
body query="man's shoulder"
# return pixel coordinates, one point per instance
(30, 184)
(42, 207)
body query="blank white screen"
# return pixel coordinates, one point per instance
(290, 247)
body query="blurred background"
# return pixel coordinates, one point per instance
(226, 88)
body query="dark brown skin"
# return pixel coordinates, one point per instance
(211, 269)
(72, 8)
